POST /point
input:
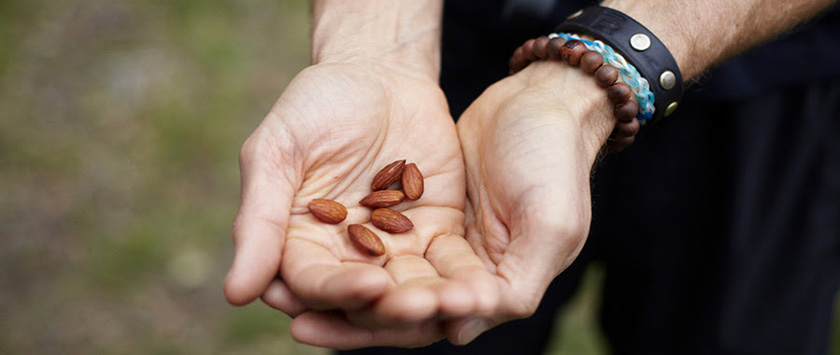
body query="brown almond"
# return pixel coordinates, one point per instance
(383, 198)
(327, 211)
(388, 175)
(366, 240)
(390, 221)
(412, 182)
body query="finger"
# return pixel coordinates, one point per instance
(420, 294)
(322, 281)
(260, 227)
(454, 298)
(408, 305)
(464, 330)
(332, 330)
(412, 300)
(279, 297)
(453, 257)
(400, 308)
(553, 239)
(407, 268)
(542, 245)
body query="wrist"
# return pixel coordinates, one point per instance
(570, 96)
(670, 27)
(402, 36)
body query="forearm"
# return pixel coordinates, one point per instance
(402, 34)
(701, 34)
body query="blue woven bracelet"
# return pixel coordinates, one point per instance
(639, 46)
(629, 74)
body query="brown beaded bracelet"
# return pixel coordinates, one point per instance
(575, 54)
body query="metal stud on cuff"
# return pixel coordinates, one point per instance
(668, 80)
(671, 108)
(640, 42)
(639, 47)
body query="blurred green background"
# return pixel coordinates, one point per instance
(120, 124)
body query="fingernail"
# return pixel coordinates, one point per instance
(472, 330)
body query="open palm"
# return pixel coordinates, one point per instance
(333, 128)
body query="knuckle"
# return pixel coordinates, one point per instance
(236, 231)
(571, 226)
(249, 148)
(524, 308)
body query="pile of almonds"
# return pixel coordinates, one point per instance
(329, 211)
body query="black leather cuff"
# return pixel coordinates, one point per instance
(639, 46)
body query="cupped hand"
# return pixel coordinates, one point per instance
(329, 133)
(529, 142)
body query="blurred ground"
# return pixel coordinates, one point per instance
(120, 124)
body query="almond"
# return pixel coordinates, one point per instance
(388, 175)
(383, 198)
(366, 240)
(412, 182)
(390, 221)
(327, 211)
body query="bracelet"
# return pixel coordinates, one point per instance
(639, 46)
(575, 53)
(629, 74)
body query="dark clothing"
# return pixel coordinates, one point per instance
(479, 40)
(719, 228)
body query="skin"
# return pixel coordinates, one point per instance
(339, 122)
(523, 152)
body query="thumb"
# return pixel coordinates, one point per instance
(260, 227)
(546, 239)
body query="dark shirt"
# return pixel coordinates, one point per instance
(478, 41)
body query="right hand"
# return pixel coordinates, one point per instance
(529, 142)
(329, 133)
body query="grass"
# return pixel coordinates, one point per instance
(578, 331)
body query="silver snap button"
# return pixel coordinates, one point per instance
(640, 42)
(671, 108)
(668, 80)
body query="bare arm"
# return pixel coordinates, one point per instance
(542, 128)
(374, 41)
(402, 34)
(369, 98)
(701, 34)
